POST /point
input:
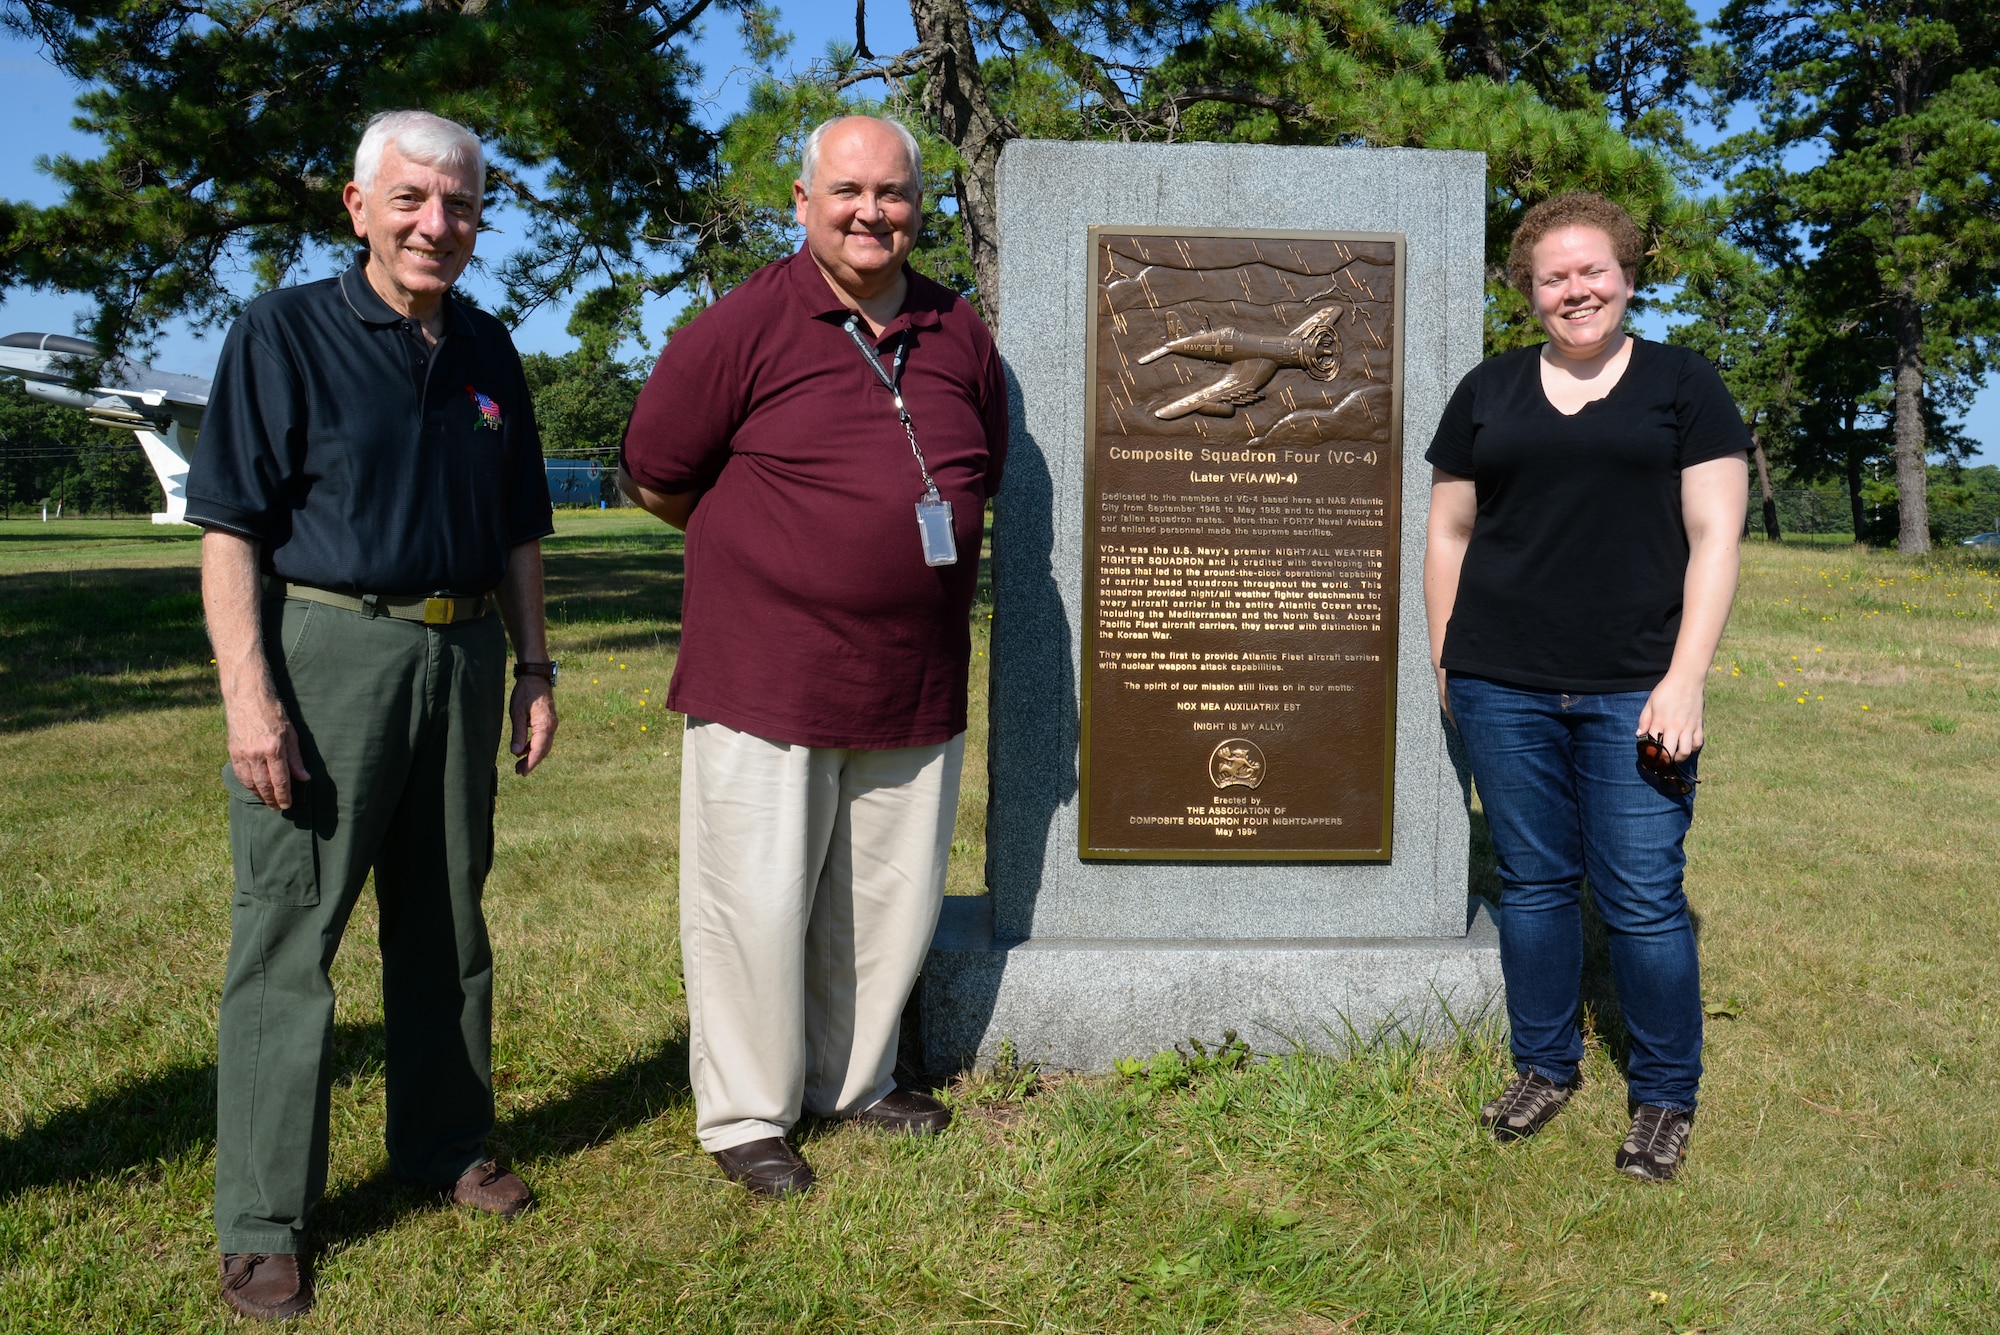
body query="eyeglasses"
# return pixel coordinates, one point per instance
(1656, 760)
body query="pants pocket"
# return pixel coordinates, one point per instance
(276, 852)
(294, 631)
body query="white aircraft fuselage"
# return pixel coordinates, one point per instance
(161, 408)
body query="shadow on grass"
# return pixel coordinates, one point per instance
(609, 585)
(165, 1116)
(634, 1092)
(90, 644)
(151, 1120)
(71, 643)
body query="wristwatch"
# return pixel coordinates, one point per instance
(547, 670)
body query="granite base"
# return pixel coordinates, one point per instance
(1081, 1003)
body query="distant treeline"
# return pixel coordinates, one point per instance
(582, 399)
(53, 456)
(1964, 501)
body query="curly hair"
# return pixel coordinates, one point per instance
(1579, 208)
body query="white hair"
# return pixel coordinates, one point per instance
(809, 156)
(420, 137)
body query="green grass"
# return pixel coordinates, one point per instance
(1845, 1162)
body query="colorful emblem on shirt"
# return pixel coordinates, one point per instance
(489, 411)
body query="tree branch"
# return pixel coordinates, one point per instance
(900, 66)
(499, 175)
(1170, 104)
(961, 109)
(678, 25)
(1072, 59)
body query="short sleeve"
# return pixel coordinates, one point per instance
(687, 414)
(1710, 424)
(530, 513)
(994, 414)
(1451, 444)
(252, 441)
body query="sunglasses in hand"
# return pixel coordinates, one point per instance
(1655, 759)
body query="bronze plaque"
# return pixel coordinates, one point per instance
(1244, 479)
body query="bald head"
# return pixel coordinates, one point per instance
(874, 133)
(860, 198)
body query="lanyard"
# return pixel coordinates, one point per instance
(893, 383)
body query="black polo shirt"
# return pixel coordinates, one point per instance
(1574, 576)
(363, 459)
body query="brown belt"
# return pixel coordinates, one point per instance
(430, 611)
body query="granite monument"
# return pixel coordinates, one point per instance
(1155, 615)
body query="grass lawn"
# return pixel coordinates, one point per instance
(1845, 1164)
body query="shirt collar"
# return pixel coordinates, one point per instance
(367, 303)
(920, 305)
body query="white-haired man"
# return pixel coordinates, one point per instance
(371, 483)
(828, 435)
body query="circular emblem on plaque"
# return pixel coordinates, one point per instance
(1236, 763)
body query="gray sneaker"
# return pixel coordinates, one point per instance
(1656, 1144)
(1527, 1105)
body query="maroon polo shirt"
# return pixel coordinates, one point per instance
(810, 616)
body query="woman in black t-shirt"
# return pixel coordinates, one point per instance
(1586, 500)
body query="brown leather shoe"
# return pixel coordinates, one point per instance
(491, 1189)
(268, 1286)
(911, 1113)
(767, 1167)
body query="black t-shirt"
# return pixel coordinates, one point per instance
(362, 459)
(1573, 578)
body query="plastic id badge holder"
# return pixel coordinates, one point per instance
(934, 527)
(933, 511)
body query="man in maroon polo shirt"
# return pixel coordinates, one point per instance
(828, 435)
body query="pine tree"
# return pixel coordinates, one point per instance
(1351, 72)
(1743, 322)
(229, 127)
(1898, 227)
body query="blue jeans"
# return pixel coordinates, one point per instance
(1559, 778)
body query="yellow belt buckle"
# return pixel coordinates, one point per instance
(439, 611)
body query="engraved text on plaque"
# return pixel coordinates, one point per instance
(1242, 536)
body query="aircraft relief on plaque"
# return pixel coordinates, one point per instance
(1242, 533)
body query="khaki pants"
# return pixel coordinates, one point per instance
(811, 879)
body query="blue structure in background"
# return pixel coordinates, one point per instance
(575, 482)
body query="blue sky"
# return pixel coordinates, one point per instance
(38, 101)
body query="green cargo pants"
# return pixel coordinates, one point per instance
(400, 723)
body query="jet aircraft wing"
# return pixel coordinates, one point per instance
(162, 408)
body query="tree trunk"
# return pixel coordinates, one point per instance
(1913, 517)
(955, 98)
(1764, 481)
(1479, 43)
(1909, 72)
(1854, 487)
